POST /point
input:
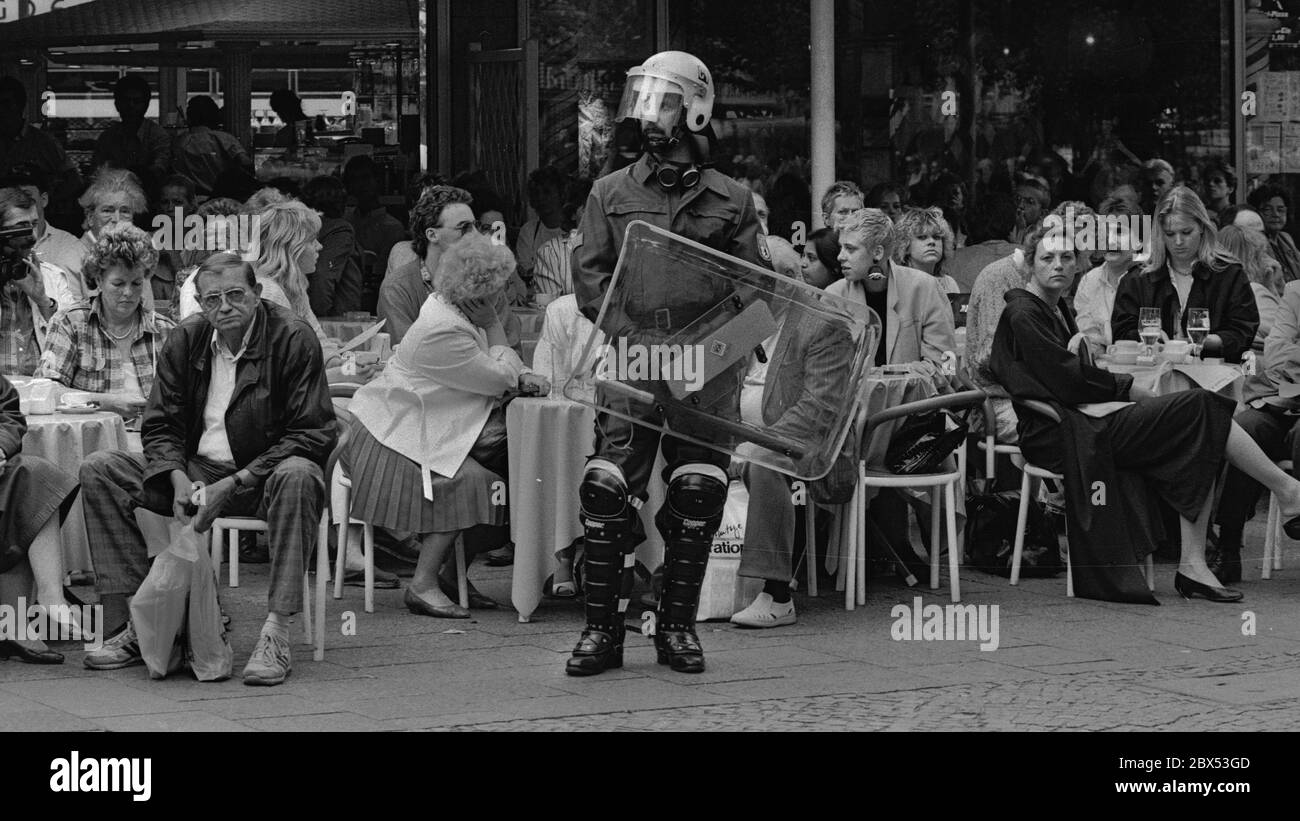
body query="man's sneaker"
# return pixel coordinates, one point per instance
(269, 664)
(765, 612)
(123, 650)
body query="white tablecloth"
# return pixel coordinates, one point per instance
(1164, 378)
(65, 440)
(549, 442)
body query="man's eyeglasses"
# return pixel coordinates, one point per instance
(235, 296)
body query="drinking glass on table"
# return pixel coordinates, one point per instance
(1149, 328)
(1198, 327)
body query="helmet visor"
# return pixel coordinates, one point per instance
(653, 100)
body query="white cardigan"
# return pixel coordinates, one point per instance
(432, 400)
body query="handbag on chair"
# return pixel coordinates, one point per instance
(924, 440)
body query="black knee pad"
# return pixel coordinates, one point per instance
(692, 512)
(604, 505)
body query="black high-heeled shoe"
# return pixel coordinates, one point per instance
(12, 649)
(1188, 588)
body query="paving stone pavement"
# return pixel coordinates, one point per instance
(1061, 664)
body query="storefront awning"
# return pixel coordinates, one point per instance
(107, 22)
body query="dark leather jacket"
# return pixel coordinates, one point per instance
(280, 408)
(1226, 292)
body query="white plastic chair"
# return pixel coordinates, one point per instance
(855, 589)
(1273, 532)
(231, 526)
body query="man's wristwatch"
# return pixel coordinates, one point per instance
(239, 480)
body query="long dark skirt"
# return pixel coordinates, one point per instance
(1177, 442)
(388, 489)
(31, 491)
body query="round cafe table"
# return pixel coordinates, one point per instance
(66, 439)
(1164, 377)
(549, 441)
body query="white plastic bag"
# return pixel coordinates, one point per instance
(724, 592)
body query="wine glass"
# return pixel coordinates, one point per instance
(1149, 328)
(1198, 327)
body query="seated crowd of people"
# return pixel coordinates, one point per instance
(224, 359)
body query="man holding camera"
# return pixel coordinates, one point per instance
(30, 290)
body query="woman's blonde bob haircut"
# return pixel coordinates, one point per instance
(474, 268)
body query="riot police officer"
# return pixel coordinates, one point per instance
(672, 187)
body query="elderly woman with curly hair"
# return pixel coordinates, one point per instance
(109, 345)
(429, 439)
(924, 241)
(115, 195)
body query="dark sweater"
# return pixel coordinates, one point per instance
(1226, 292)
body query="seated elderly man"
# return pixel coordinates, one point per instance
(30, 291)
(240, 414)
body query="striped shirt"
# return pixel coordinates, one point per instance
(554, 271)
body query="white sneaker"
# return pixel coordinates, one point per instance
(765, 612)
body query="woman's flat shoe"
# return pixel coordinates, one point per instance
(420, 607)
(12, 649)
(1187, 588)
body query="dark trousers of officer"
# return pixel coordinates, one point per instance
(633, 448)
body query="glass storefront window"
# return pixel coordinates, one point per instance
(585, 48)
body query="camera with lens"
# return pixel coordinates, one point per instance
(15, 251)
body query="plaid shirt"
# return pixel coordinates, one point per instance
(20, 351)
(22, 328)
(80, 354)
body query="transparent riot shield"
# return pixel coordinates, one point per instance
(683, 325)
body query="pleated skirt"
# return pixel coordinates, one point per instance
(388, 490)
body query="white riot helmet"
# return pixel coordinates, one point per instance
(651, 85)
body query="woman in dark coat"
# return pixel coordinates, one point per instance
(1188, 269)
(1176, 442)
(35, 496)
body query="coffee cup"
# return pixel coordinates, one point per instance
(1124, 352)
(1176, 351)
